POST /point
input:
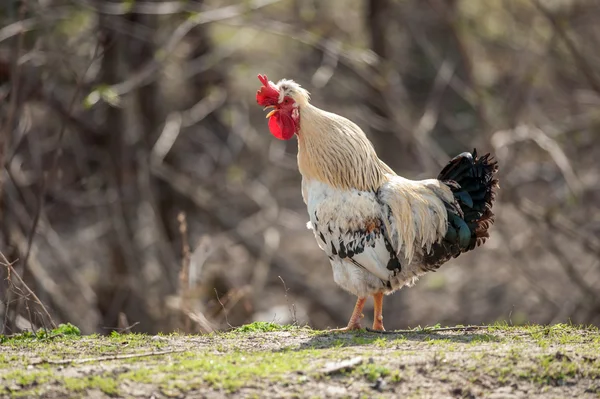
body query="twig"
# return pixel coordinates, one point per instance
(201, 320)
(224, 309)
(292, 307)
(105, 358)
(43, 277)
(231, 298)
(12, 272)
(430, 330)
(122, 330)
(345, 365)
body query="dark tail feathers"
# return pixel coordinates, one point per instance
(474, 186)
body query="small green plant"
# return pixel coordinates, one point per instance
(263, 326)
(396, 376)
(373, 371)
(67, 329)
(62, 330)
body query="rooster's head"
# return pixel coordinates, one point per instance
(286, 98)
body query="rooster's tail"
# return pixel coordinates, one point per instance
(474, 186)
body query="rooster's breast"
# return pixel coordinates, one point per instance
(350, 226)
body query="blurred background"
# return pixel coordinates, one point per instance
(141, 190)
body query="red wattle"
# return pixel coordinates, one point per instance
(282, 126)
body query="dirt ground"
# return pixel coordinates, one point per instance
(264, 360)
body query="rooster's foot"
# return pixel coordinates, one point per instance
(378, 325)
(349, 327)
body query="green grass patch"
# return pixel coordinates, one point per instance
(372, 371)
(63, 330)
(263, 326)
(232, 370)
(108, 385)
(251, 356)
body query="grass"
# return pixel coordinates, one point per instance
(63, 330)
(183, 371)
(259, 355)
(232, 371)
(105, 384)
(262, 326)
(372, 371)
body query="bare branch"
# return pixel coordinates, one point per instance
(13, 273)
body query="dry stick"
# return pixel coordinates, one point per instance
(343, 366)
(225, 311)
(36, 299)
(110, 357)
(430, 330)
(231, 298)
(292, 307)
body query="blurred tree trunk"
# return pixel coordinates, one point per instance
(122, 284)
(201, 85)
(149, 115)
(11, 98)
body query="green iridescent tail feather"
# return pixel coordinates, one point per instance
(471, 179)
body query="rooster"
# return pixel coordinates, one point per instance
(379, 230)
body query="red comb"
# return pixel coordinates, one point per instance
(268, 94)
(263, 79)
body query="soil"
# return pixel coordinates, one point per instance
(264, 360)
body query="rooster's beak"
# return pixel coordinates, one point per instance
(270, 114)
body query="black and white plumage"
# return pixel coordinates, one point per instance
(379, 230)
(371, 250)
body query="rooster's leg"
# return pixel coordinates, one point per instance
(354, 323)
(378, 312)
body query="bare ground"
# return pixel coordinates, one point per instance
(269, 361)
